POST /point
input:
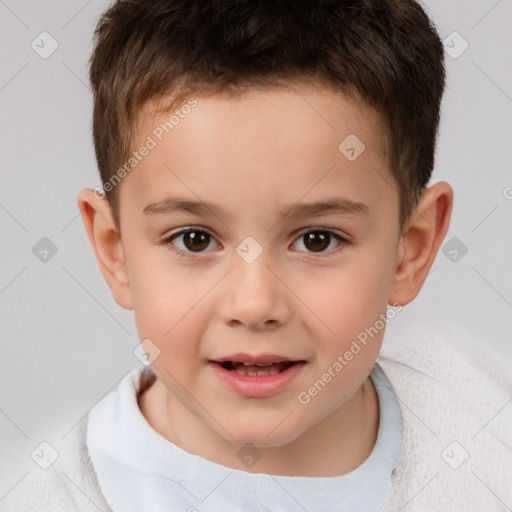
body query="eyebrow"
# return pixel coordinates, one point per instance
(332, 205)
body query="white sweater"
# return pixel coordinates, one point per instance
(140, 471)
(456, 405)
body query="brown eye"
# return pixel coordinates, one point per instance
(319, 240)
(194, 240)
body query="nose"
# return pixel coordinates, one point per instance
(254, 295)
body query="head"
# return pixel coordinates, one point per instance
(276, 105)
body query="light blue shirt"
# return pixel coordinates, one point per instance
(139, 470)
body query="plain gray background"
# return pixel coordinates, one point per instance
(66, 343)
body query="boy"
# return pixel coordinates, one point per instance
(291, 143)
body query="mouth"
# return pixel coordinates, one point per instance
(256, 365)
(256, 369)
(257, 376)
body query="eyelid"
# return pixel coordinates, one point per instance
(180, 231)
(322, 228)
(342, 240)
(168, 239)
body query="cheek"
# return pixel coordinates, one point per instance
(353, 295)
(167, 309)
(348, 304)
(163, 292)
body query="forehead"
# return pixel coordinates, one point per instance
(319, 108)
(261, 145)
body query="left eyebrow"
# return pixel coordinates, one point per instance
(328, 206)
(300, 210)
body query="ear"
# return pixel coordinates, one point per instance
(420, 242)
(106, 243)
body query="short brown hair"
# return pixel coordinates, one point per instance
(385, 53)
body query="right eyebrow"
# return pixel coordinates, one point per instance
(332, 205)
(178, 204)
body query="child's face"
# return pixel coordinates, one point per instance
(301, 299)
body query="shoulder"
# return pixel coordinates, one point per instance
(69, 483)
(77, 472)
(456, 402)
(441, 355)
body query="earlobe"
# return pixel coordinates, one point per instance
(420, 242)
(101, 230)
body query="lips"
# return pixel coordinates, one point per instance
(256, 365)
(256, 369)
(254, 359)
(256, 376)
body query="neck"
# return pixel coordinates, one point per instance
(334, 446)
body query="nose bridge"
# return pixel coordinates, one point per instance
(252, 268)
(254, 295)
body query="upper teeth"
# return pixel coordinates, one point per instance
(258, 364)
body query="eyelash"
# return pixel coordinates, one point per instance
(184, 254)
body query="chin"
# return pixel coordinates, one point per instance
(263, 436)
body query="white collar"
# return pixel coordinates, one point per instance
(140, 470)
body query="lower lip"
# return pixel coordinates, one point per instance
(257, 386)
